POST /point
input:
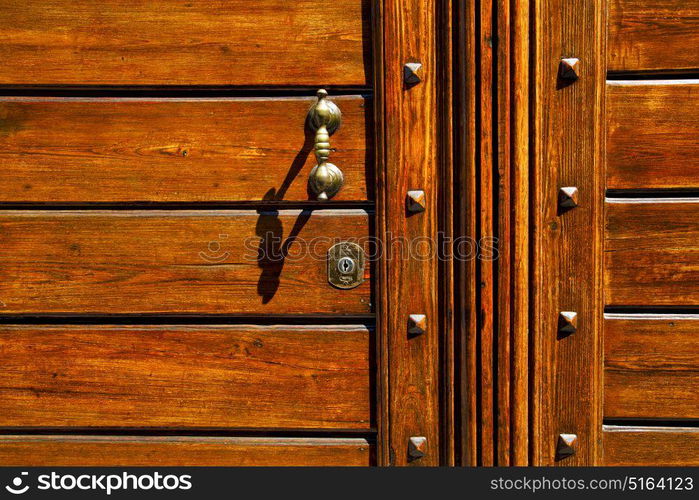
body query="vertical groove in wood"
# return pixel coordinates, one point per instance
(466, 291)
(503, 211)
(411, 162)
(446, 230)
(382, 358)
(510, 207)
(567, 247)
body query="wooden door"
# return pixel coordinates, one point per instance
(578, 157)
(616, 219)
(165, 271)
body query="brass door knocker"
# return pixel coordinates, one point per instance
(324, 118)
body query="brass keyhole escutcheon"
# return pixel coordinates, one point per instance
(345, 265)
(346, 262)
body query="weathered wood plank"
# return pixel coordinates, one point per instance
(257, 377)
(120, 451)
(651, 367)
(652, 252)
(568, 147)
(653, 35)
(652, 130)
(179, 262)
(80, 150)
(198, 42)
(651, 446)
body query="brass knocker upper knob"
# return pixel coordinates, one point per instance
(324, 118)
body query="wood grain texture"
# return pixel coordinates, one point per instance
(445, 18)
(180, 262)
(652, 130)
(652, 252)
(124, 451)
(651, 367)
(653, 35)
(487, 275)
(411, 161)
(568, 146)
(81, 150)
(199, 42)
(512, 211)
(651, 446)
(466, 216)
(233, 377)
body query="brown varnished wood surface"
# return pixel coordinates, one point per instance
(411, 162)
(260, 377)
(653, 35)
(651, 446)
(466, 214)
(652, 252)
(176, 262)
(81, 150)
(511, 102)
(651, 367)
(652, 130)
(568, 147)
(123, 451)
(199, 42)
(445, 19)
(488, 314)
(520, 234)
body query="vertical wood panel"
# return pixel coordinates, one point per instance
(502, 210)
(465, 205)
(411, 162)
(567, 246)
(487, 269)
(512, 108)
(519, 237)
(445, 92)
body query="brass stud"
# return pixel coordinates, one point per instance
(568, 69)
(567, 323)
(417, 324)
(412, 73)
(567, 198)
(416, 201)
(417, 447)
(566, 445)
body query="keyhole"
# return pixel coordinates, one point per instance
(345, 265)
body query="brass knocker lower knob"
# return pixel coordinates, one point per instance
(324, 118)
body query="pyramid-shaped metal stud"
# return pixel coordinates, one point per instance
(417, 324)
(568, 69)
(567, 197)
(417, 447)
(567, 322)
(416, 201)
(412, 73)
(566, 445)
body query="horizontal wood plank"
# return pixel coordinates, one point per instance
(233, 377)
(78, 150)
(653, 35)
(652, 252)
(122, 451)
(197, 42)
(651, 446)
(179, 262)
(652, 130)
(651, 367)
